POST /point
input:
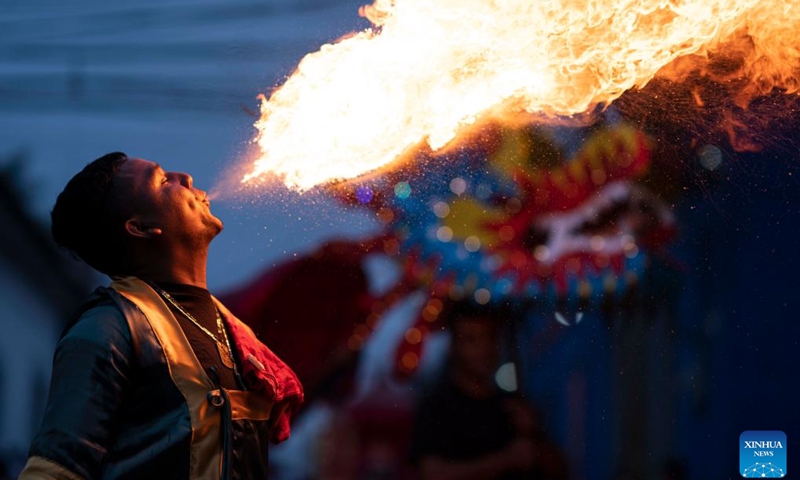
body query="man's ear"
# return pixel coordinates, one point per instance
(139, 229)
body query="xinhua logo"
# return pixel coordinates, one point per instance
(762, 453)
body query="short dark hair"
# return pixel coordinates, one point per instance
(87, 218)
(464, 311)
(468, 310)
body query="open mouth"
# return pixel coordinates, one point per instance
(610, 227)
(608, 223)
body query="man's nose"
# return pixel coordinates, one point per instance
(185, 179)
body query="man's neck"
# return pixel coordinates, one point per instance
(179, 267)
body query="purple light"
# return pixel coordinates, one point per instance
(364, 194)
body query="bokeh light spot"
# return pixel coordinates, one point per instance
(413, 335)
(409, 361)
(441, 209)
(458, 185)
(506, 377)
(456, 292)
(506, 233)
(385, 215)
(364, 194)
(631, 250)
(472, 243)
(402, 190)
(710, 157)
(444, 234)
(432, 310)
(598, 176)
(482, 296)
(542, 253)
(391, 247)
(513, 206)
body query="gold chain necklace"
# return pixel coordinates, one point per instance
(224, 349)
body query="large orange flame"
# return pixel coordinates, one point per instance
(429, 68)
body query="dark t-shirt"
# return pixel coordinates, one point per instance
(198, 302)
(454, 426)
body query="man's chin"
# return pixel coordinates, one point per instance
(215, 227)
(219, 228)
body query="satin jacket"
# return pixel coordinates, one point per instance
(129, 400)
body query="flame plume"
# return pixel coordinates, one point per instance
(427, 70)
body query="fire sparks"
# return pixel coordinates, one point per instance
(427, 70)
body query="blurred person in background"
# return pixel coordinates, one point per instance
(466, 428)
(153, 377)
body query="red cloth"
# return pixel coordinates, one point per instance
(262, 371)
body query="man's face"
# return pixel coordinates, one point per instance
(167, 201)
(474, 347)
